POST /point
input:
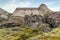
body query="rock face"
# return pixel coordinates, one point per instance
(33, 20)
(36, 21)
(53, 19)
(11, 23)
(27, 20)
(3, 14)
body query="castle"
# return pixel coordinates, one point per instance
(21, 12)
(28, 11)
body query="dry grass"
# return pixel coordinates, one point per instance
(27, 33)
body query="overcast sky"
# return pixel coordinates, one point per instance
(11, 5)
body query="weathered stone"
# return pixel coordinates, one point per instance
(45, 27)
(33, 20)
(53, 19)
(3, 14)
(12, 23)
(28, 11)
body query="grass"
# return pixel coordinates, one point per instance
(27, 33)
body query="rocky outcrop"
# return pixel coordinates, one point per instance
(3, 14)
(53, 19)
(33, 20)
(27, 20)
(12, 23)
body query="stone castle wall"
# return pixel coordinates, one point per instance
(28, 11)
(23, 12)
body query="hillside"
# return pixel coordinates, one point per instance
(27, 33)
(30, 24)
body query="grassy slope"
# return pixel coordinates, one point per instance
(18, 33)
(53, 35)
